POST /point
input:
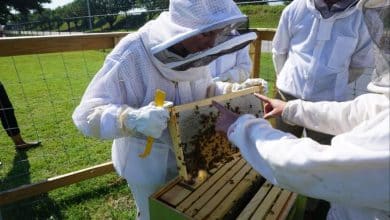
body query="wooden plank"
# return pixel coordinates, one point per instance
(168, 186)
(256, 58)
(265, 206)
(277, 208)
(26, 191)
(209, 183)
(222, 192)
(286, 210)
(255, 202)
(266, 33)
(205, 102)
(175, 135)
(237, 193)
(175, 195)
(13, 46)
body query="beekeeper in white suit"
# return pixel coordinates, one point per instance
(353, 173)
(170, 53)
(234, 67)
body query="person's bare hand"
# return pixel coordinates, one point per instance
(272, 107)
(225, 118)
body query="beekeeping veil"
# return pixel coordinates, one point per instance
(377, 18)
(186, 19)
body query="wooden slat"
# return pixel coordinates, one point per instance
(168, 186)
(265, 206)
(175, 135)
(280, 203)
(26, 191)
(237, 193)
(256, 59)
(255, 201)
(205, 102)
(266, 33)
(206, 185)
(175, 195)
(287, 207)
(13, 46)
(222, 192)
(201, 191)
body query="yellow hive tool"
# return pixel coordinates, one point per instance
(159, 98)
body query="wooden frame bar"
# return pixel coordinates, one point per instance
(13, 46)
(26, 191)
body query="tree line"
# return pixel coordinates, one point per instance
(82, 15)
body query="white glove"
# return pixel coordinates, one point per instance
(250, 83)
(149, 120)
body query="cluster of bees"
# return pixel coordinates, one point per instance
(210, 149)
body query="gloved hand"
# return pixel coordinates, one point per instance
(251, 82)
(225, 118)
(149, 120)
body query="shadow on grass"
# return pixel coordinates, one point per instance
(37, 207)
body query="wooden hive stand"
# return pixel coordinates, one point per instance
(234, 191)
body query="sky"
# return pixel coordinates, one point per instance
(56, 3)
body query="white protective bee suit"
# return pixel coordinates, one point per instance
(234, 67)
(315, 58)
(353, 173)
(124, 87)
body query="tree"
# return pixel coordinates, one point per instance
(153, 6)
(110, 8)
(24, 7)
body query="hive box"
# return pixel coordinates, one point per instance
(233, 191)
(215, 182)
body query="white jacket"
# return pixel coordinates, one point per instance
(234, 67)
(315, 58)
(353, 173)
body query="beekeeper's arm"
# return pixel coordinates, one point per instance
(220, 88)
(362, 60)
(334, 117)
(281, 43)
(241, 71)
(103, 114)
(352, 170)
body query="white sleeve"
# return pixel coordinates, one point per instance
(334, 117)
(343, 172)
(363, 54)
(240, 71)
(98, 113)
(281, 42)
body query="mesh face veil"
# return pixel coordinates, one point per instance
(187, 19)
(377, 18)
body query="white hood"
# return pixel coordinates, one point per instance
(186, 19)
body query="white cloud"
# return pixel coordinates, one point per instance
(56, 3)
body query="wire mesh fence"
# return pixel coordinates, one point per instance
(44, 90)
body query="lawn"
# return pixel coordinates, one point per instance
(44, 90)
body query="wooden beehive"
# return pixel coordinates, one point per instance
(198, 148)
(233, 191)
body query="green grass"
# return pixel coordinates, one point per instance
(44, 90)
(262, 16)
